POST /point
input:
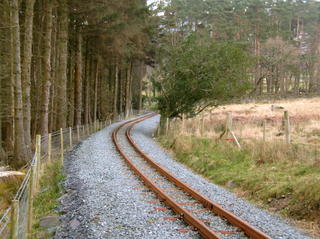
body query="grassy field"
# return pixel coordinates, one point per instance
(284, 179)
(248, 119)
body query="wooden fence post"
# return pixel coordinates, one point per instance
(287, 127)
(264, 131)
(30, 203)
(182, 123)
(167, 126)
(49, 147)
(14, 219)
(70, 137)
(38, 158)
(78, 133)
(228, 131)
(61, 146)
(202, 126)
(229, 125)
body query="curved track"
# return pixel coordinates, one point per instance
(194, 208)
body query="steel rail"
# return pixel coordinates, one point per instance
(205, 231)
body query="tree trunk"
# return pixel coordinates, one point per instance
(78, 80)
(314, 84)
(138, 74)
(6, 78)
(47, 69)
(37, 68)
(121, 83)
(70, 88)
(96, 92)
(54, 85)
(87, 89)
(128, 90)
(26, 70)
(62, 64)
(115, 92)
(20, 149)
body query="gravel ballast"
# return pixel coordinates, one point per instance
(105, 199)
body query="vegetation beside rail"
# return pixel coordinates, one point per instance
(46, 201)
(272, 179)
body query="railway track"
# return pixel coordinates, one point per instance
(205, 216)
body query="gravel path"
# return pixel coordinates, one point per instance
(105, 199)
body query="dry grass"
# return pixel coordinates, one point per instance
(8, 187)
(285, 179)
(248, 121)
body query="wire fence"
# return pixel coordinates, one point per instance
(299, 138)
(16, 221)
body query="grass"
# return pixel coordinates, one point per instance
(50, 190)
(8, 188)
(248, 118)
(272, 177)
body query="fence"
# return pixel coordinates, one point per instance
(17, 221)
(300, 136)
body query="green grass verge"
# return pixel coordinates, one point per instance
(45, 201)
(290, 187)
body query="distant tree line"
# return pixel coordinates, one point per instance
(282, 36)
(66, 63)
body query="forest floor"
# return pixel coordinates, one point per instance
(281, 178)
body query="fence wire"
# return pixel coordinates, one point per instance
(304, 135)
(5, 224)
(23, 194)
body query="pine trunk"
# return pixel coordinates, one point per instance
(20, 149)
(54, 85)
(78, 80)
(70, 88)
(121, 90)
(26, 70)
(44, 121)
(7, 101)
(62, 64)
(128, 90)
(96, 92)
(87, 90)
(115, 92)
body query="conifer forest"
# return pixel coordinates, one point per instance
(159, 119)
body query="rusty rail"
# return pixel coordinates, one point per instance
(205, 231)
